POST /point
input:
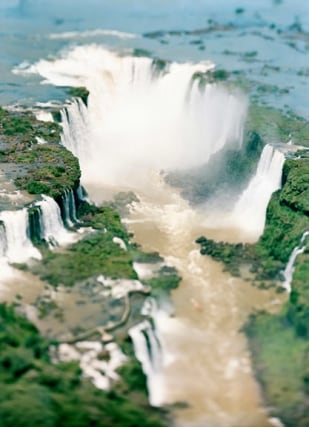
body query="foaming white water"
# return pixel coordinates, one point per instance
(139, 118)
(19, 248)
(75, 128)
(69, 208)
(148, 351)
(289, 270)
(44, 116)
(92, 33)
(53, 231)
(249, 211)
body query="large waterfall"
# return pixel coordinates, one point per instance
(142, 118)
(148, 351)
(18, 246)
(249, 211)
(52, 228)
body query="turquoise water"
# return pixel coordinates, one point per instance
(266, 41)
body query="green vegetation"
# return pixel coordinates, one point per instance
(230, 169)
(79, 92)
(210, 76)
(95, 254)
(56, 170)
(275, 126)
(281, 360)
(36, 392)
(24, 128)
(298, 308)
(47, 168)
(167, 280)
(283, 230)
(280, 349)
(286, 220)
(102, 218)
(295, 194)
(140, 53)
(131, 373)
(279, 344)
(158, 66)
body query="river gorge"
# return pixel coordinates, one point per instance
(209, 173)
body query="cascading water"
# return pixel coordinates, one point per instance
(289, 270)
(74, 128)
(148, 352)
(52, 229)
(170, 123)
(19, 248)
(69, 208)
(3, 242)
(249, 211)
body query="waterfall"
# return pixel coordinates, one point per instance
(3, 242)
(69, 208)
(148, 352)
(74, 128)
(52, 228)
(81, 194)
(289, 269)
(249, 211)
(17, 244)
(170, 123)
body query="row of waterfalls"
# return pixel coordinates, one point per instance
(44, 220)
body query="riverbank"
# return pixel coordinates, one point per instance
(96, 266)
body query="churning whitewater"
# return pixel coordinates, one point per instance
(142, 117)
(145, 118)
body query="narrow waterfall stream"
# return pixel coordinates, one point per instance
(289, 270)
(53, 231)
(18, 244)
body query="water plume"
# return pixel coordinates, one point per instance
(140, 118)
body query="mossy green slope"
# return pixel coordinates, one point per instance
(36, 392)
(37, 168)
(280, 349)
(275, 126)
(286, 220)
(95, 254)
(281, 360)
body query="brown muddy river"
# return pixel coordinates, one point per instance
(206, 362)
